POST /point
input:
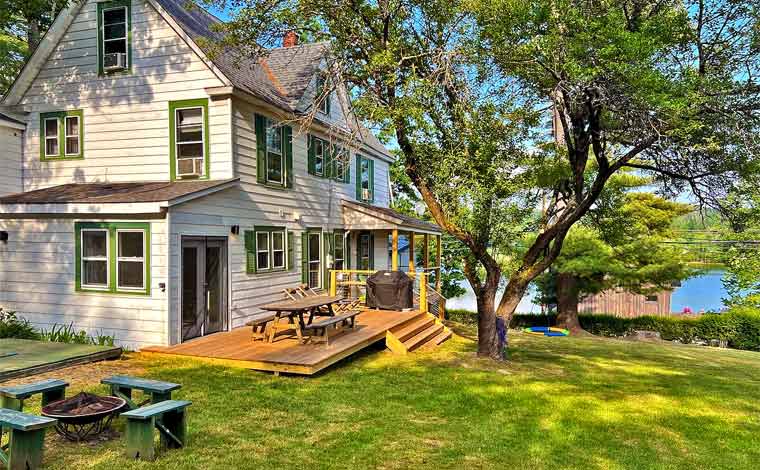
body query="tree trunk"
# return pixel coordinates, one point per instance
(567, 303)
(33, 34)
(488, 339)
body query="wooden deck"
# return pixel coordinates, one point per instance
(285, 354)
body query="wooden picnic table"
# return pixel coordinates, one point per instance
(294, 310)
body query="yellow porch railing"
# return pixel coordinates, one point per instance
(351, 283)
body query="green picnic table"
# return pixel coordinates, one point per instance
(122, 386)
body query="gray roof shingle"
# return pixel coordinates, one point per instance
(109, 193)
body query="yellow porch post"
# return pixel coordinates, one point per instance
(411, 253)
(394, 250)
(438, 263)
(423, 293)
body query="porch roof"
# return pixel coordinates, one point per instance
(111, 198)
(359, 216)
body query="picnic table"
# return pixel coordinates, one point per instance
(294, 311)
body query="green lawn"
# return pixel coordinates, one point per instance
(560, 403)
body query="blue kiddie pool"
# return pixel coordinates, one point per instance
(546, 331)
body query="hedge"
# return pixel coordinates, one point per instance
(740, 328)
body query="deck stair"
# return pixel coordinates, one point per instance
(423, 330)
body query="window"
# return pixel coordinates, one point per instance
(95, 258)
(61, 135)
(114, 35)
(327, 160)
(365, 179)
(315, 260)
(274, 149)
(365, 251)
(268, 249)
(72, 135)
(652, 298)
(323, 95)
(339, 251)
(113, 257)
(130, 261)
(188, 121)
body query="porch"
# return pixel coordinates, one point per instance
(236, 348)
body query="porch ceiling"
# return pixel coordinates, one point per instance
(358, 216)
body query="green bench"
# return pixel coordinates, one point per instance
(27, 436)
(122, 386)
(12, 398)
(166, 416)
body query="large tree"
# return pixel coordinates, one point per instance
(618, 244)
(664, 86)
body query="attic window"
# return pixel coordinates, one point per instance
(323, 95)
(114, 36)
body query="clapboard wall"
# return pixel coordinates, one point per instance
(11, 142)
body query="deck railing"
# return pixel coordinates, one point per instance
(352, 284)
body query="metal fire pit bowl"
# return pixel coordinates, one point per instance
(83, 416)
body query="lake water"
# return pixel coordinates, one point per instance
(704, 292)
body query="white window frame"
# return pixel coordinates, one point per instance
(56, 138)
(324, 104)
(284, 250)
(120, 259)
(318, 262)
(125, 38)
(341, 158)
(368, 238)
(83, 258)
(266, 250)
(270, 124)
(67, 136)
(320, 156)
(177, 143)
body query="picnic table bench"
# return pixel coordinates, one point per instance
(166, 416)
(13, 397)
(258, 324)
(122, 386)
(27, 436)
(294, 311)
(320, 328)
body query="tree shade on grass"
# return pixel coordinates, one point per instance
(584, 403)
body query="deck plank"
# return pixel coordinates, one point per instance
(236, 347)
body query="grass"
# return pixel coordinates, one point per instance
(562, 403)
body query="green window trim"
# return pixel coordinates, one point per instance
(330, 160)
(174, 106)
(61, 118)
(253, 248)
(102, 7)
(112, 230)
(360, 160)
(262, 156)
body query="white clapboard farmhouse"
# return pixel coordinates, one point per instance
(157, 194)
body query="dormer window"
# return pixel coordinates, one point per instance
(188, 120)
(323, 95)
(114, 36)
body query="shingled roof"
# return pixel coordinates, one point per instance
(281, 77)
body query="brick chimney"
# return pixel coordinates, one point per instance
(290, 39)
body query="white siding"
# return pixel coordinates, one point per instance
(37, 280)
(10, 160)
(125, 117)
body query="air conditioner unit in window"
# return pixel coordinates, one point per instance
(115, 61)
(366, 194)
(190, 167)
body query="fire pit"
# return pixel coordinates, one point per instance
(84, 415)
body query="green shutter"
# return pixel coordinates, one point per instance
(287, 137)
(305, 257)
(291, 251)
(358, 177)
(328, 249)
(261, 153)
(371, 180)
(312, 166)
(250, 255)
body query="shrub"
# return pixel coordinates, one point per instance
(740, 327)
(13, 327)
(67, 334)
